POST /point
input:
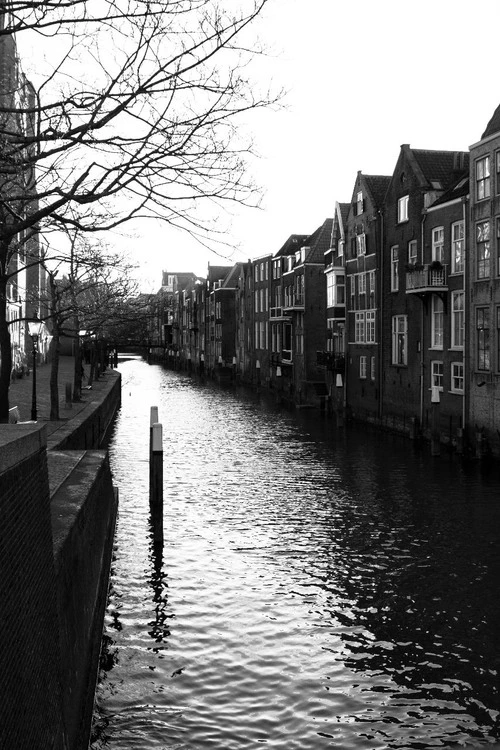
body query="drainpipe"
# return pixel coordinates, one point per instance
(422, 337)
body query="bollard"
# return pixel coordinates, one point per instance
(153, 419)
(156, 481)
(69, 396)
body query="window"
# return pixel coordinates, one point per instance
(457, 247)
(352, 280)
(437, 375)
(437, 322)
(403, 208)
(394, 268)
(457, 377)
(277, 269)
(362, 367)
(483, 338)
(498, 245)
(359, 203)
(256, 300)
(483, 249)
(360, 244)
(362, 283)
(359, 330)
(371, 276)
(372, 368)
(276, 337)
(412, 251)
(370, 326)
(330, 289)
(256, 272)
(299, 334)
(457, 319)
(330, 327)
(438, 244)
(483, 185)
(399, 339)
(341, 248)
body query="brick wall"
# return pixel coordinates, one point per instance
(30, 691)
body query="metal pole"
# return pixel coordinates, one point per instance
(156, 482)
(33, 393)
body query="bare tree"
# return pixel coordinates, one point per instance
(138, 115)
(96, 284)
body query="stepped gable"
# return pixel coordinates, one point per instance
(377, 185)
(319, 242)
(440, 168)
(494, 124)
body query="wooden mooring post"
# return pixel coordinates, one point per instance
(156, 476)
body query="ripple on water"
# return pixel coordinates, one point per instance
(314, 590)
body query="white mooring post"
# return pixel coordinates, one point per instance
(153, 419)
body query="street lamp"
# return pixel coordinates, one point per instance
(34, 329)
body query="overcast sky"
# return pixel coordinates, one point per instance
(362, 77)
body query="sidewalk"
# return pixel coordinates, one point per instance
(20, 394)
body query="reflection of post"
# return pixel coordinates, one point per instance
(156, 482)
(435, 439)
(340, 399)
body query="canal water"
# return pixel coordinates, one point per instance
(316, 589)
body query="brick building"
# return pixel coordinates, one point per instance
(484, 280)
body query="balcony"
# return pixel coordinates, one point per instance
(278, 313)
(296, 302)
(427, 279)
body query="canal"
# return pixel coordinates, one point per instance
(316, 588)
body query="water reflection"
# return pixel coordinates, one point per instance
(316, 589)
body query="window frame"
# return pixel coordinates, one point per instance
(412, 257)
(395, 268)
(438, 244)
(399, 349)
(363, 363)
(370, 330)
(360, 244)
(483, 178)
(483, 250)
(403, 206)
(359, 327)
(458, 247)
(457, 320)
(483, 341)
(437, 374)
(437, 322)
(454, 377)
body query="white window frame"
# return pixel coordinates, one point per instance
(360, 244)
(403, 204)
(437, 374)
(483, 178)
(395, 268)
(361, 283)
(370, 327)
(456, 374)
(359, 328)
(362, 366)
(438, 244)
(359, 203)
(457, 319)
(483, 249)
(437, 322)
(458, 247)
(371, 283)
(400, 340)
(412, 251)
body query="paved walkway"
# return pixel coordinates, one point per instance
(20, 393)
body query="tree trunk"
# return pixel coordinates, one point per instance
(5, 353)
(54, 375)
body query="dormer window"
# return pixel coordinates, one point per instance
(403, 208)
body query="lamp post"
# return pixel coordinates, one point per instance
(34, 328)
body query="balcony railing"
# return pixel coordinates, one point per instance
(277, 313)
(295, 302)
(428, 278)
(286, 355)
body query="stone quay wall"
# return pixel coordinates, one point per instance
(58, 511)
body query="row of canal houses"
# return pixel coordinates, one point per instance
(388, 313)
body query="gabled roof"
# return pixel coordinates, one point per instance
(494, 124)
(377, 185)
(440, 168)
(217, 273)
(344, 211)
(318, 242)
(293, 243)
(182, 279)
(231, 279)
